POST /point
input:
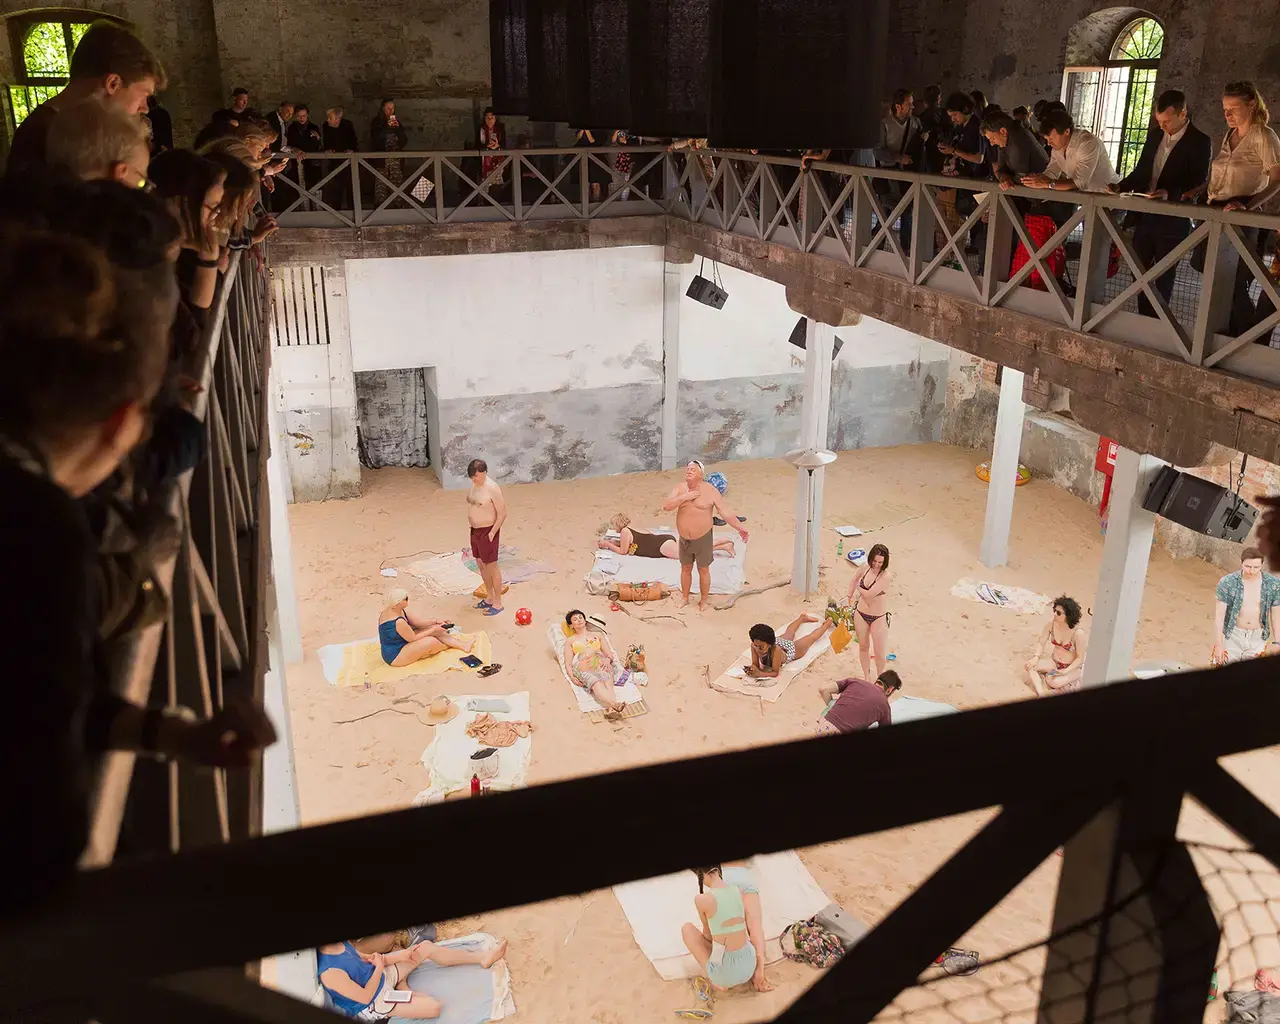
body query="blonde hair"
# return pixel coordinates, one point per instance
(396, 594)
(90, 137)
(620, 521)
(334, 110)
(1247, 91)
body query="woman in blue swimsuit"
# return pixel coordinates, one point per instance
(729, 943)
(402, 643)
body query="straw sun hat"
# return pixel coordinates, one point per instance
(442, 710)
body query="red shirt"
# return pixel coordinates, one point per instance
(859, 706)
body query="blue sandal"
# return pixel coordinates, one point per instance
(491, 610)
(483, 603)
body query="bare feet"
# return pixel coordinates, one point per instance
(466, 645)
(805, 616)
(684, 600)
(702, 605)
(494, 955)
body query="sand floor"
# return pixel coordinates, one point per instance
(574, 958)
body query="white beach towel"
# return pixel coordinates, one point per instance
(657, 908)
(628, 693)
(734, 680)
(448, 757)
(727, 574)
(1015, 599)
(445, 575)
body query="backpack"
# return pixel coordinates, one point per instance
(813, 944)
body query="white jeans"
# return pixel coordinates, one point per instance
(1244, 643)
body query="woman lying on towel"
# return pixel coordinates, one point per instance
(728, 905)
(374, 986)
(649, 545)
(1058, 663)
(407, 639)
(770, 652)
(590, 662)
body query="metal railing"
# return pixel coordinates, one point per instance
(1065, 257)
(211, 645)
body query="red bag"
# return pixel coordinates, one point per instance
(1040, 228)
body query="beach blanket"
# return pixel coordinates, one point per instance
(727, 574)
(444, 575)
(1016, 599)
(734, 680)
(514, 568)
(469, 994)
(629, 693)
(448, 758)
(360, 661)
(657, 908)
(911, 709)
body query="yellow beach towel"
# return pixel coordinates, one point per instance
(362, 661)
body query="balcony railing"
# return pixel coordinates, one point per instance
(211, 646)
(1078, 263)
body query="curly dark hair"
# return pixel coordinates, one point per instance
(568, 619)
(1070, 609)
(764, 633)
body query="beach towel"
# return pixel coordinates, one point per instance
(444, 575)
(1016, 599)
(448, 758)
(468, 994)
(657, 908)
(734, 680)
(629, 693)
(727, 574)
(514, 568)
(359, 662)
(911, 709)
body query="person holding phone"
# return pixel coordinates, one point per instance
(374, 986)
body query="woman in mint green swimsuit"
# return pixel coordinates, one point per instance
(728, 905)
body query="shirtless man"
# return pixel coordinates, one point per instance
(1245, 620)
(695, 502)
(486, 512)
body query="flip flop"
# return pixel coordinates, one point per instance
(490, 610)
(489, 670)
(482, 603)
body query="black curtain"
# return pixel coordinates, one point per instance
(556, 42)
(605, 99)
(670, 43)
(509, 55)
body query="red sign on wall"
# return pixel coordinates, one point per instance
(1105, 462)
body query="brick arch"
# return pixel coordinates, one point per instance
(1090, 39)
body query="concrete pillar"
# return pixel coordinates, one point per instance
(1123, 574)
(1004, 470)
(289, 630)
(671, 294)
(814, 419)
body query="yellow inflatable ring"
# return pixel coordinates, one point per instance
(984, 473)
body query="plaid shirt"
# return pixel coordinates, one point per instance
(1231, 593)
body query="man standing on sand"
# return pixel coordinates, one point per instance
(486, 512)
(695, 502)
(1244, 621)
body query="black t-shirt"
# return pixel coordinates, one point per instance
(30, 142)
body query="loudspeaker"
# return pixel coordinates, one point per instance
(605, 101)
(800, 339)
(555, 58)
(1199, 505)
(796, 74)
(707, 292)
(509, 55)
(670, 44)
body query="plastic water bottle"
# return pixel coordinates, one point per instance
(840, 548)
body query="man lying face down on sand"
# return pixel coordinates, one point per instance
(695, 503)
(648, 545)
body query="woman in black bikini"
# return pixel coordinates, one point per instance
(648, 545)
(1058, 663)
(871, 618)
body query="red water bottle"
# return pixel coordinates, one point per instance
(475, 785)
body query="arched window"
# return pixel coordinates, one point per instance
(1114, 99)
(42, 43)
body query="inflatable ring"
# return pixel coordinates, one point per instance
(983, 470)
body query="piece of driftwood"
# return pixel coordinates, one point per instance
(622, 606)
(747, 593)
(398, 711)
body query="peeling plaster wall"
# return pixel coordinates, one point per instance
(393, 418)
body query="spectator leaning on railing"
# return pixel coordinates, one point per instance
(94, 139)
(110, 63)
(1077, 158)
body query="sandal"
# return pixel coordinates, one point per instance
(482, 603)
(490, 610)
(489, 670)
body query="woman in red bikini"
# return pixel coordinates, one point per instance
(1057, 665)
(871, 609)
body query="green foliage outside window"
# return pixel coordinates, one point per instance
(46, 54)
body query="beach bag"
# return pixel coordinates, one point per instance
(840, 637)
(634, 661)
(639, 591)
(812, 944)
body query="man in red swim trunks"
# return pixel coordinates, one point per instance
(486, 512)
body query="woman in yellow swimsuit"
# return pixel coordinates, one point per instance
(590, 661)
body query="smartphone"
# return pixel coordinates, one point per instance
(398, 995)
(471, 661)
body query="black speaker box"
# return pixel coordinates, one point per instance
(1199, 505)
(800, 339)
(795, 74)
(670, 43)
(509, 55)
(555, 58)
(707, 292)
(605, 101)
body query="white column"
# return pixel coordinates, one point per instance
(282, 581)
(671, 293)
(1004, 470)
(814, 419)
(1123, 574)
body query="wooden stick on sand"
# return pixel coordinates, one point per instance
(747, 593)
